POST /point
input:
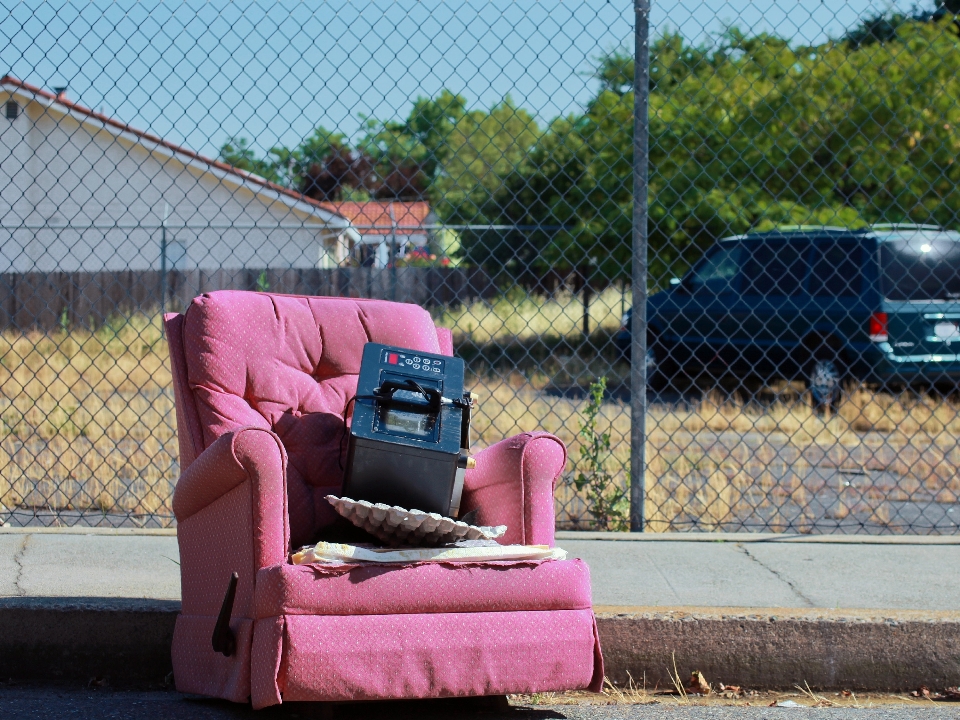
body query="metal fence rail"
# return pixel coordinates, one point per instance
(769, 250)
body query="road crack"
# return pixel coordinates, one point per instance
(781, 578)
(18, 561)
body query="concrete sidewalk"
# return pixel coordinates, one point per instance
(708, 570)
(863, 612)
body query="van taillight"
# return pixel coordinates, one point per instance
(878, 327)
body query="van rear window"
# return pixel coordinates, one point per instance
(920, 265)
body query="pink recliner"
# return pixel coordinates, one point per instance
(261, 384)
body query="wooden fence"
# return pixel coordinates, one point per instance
(50, 300)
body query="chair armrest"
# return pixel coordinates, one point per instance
(251, 455)
(513, 485)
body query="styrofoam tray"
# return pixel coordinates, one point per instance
(397, 526)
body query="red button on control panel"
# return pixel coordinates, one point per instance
(393, 359)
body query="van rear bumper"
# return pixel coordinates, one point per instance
(926, 367)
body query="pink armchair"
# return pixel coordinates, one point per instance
(261, 384)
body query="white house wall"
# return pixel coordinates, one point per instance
(76, 196)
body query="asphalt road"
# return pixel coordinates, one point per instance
(42, 703)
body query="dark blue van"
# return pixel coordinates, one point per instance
(823, 304)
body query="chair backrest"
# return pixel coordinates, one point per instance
(288, 364)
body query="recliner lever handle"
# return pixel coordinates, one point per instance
(224, 641)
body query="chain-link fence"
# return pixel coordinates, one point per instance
(799, 324)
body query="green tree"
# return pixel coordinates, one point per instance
(749, 134)
(462, 153)
(481, 148)
(570, 195)
(237, 151)
(281, 164)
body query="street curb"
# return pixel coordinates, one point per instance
(81, 530)
(127, 643)
(779, 649)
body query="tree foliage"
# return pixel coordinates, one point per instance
(748, 134)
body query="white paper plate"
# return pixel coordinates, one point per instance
(397, 526)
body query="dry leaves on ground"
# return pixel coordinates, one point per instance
(950, 693)
(698, 684)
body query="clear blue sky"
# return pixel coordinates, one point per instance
(198, 72)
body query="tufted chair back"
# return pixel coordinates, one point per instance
(287, 364)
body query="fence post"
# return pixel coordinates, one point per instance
(638, 328)
(163, 259)
(393, 255)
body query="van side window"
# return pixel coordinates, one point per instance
(775, 268)
(837, 269)
(718, 271)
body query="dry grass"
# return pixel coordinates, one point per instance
(86, 419)
(87, 423)
(712, 464)
(736, 458)
(629, 694)
(527, 316)
(613, 695)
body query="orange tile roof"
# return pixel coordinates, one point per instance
(379, 217)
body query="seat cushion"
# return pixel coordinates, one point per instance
(289, 364)
(424, 588)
